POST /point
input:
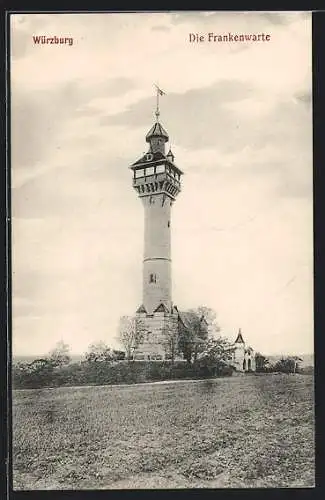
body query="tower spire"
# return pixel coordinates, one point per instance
(159, 93)
(239, 339)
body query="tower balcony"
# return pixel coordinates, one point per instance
(156, 184)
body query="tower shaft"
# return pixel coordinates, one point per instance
(157, 252)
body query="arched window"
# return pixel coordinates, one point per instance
(244, 364)
(249, 364)
(152, 278)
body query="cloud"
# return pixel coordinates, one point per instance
(197, 107)
(251, 135)
(39, 118)
(71, 190)
(115, 87)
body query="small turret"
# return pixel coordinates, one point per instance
(157, 137)
(239, 339)
(170, 156)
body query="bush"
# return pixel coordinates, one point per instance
(288, 365)
(208, 370)
(307, 370)
(109, 372)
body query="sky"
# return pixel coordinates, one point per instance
(239, 118)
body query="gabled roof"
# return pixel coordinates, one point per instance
(239, 339)
(154, 157)
(141, 309)
(157, 130)
(204, 320)
(161, 308)
(186, 317)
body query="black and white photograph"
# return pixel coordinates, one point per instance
(162, 250)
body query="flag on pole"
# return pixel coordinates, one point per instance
(160, 92)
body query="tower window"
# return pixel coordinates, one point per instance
(168, 223)
(160, 169)
(139, 173)
(152, 278)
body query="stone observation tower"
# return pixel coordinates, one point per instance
(156, 179)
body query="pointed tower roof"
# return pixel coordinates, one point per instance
(170, 155)
(161, 308)
(157, 130)
(141, 309)
(239, 339)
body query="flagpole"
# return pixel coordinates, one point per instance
(157, 104)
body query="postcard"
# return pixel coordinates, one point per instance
(162, 250)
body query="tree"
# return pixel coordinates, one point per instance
(60, 355)
(38, 373)
(169, 333)
(261, 362)
(194, 331)
(210, 316)
(296, 360)
(130, 333)
(217, 354)
(118, 355)
(288, 364)
(99, 351)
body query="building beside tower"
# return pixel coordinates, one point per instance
(157, 181)
(244, 356)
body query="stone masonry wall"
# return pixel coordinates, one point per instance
(157, 331)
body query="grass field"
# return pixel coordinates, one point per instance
(248, 431)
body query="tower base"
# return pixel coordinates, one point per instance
(158, 334)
